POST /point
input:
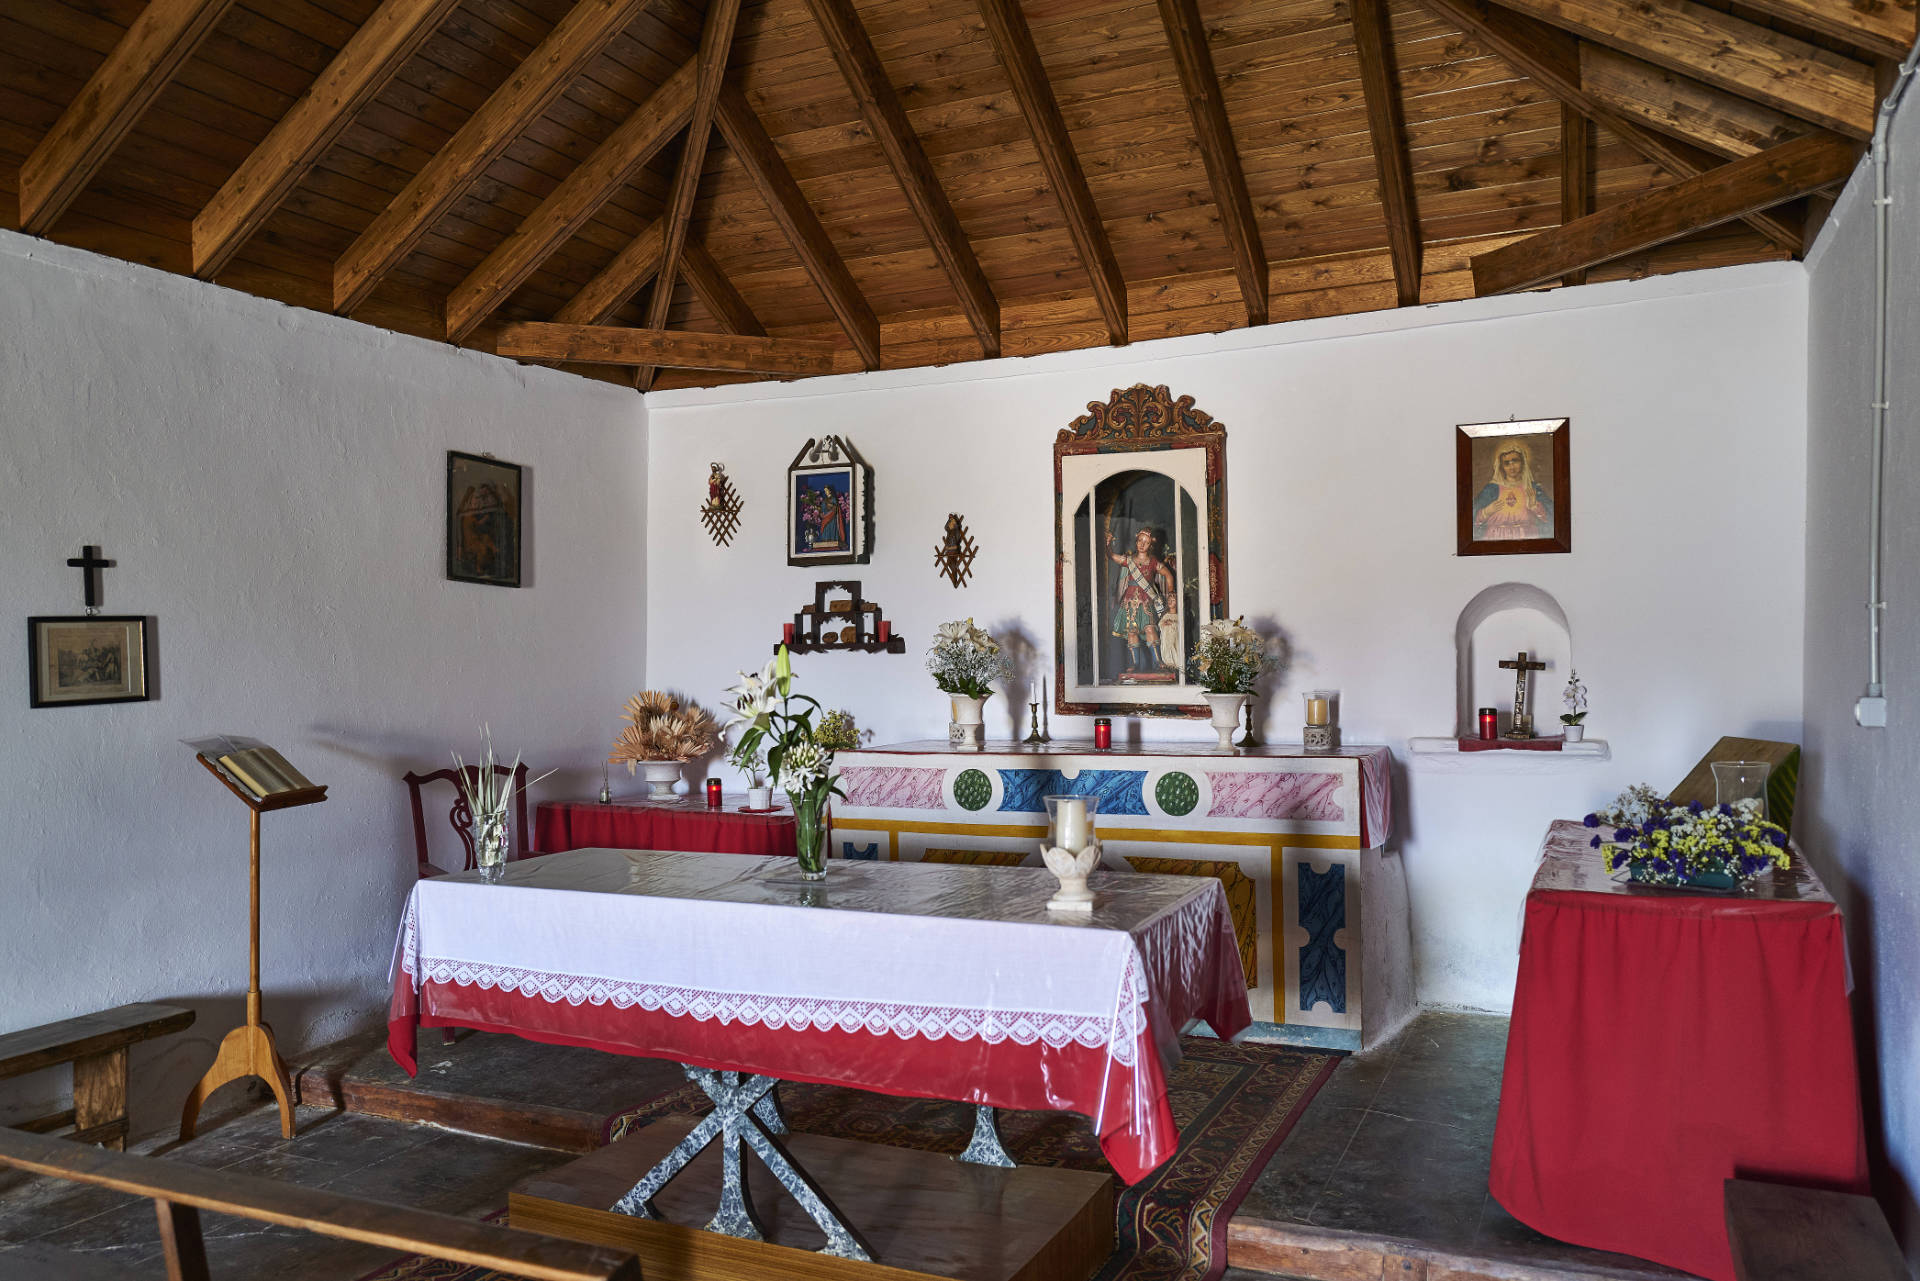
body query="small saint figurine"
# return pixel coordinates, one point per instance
(1145, 614)
(717, 487)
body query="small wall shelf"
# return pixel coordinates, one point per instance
(1443, 756)
(849, 624)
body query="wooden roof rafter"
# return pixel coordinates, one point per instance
(1387, 126)
(645, 348)
(1576, 174)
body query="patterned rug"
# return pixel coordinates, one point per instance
(1234, 1104)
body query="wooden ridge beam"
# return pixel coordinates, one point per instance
(887, 120)
(1741, 57)
(1727, 125)
(1786, 172)
(273, 169)
(716, 293)
(156, 45)
(673, 348)
(1013, 42)
(618, 281)
(1576, 174)
(753, 147)
(1551, 57)
(710, 64)
(528, 92)
(1187, 36)
(1387, 127)
(591, 184)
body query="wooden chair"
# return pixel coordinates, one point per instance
(461, 817)
(1784, 1233)
(96, 1045)
(180, 1191)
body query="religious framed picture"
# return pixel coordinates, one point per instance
(1140, 554)
(829, 505)
(1514, 488)
(483, 520)
(91, 658)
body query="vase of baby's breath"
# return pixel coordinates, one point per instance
(965, 661)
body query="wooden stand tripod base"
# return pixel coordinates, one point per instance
(246, 1051)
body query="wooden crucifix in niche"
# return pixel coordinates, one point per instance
(1522, 716)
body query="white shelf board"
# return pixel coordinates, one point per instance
(1443, 756)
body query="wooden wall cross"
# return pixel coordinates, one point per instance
(1522, 718)
(89, 564)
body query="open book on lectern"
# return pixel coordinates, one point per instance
(256, 767)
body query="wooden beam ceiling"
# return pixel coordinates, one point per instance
(677, 348)
(618, 281)
(1187, 37)
(1884, 28)
(1741, 57)
(563, 55)
(1013, 43)
(886, 119)
(1725, 124)
(716, 43)
(575, 200)
(1791, 170)
(1576, 174)
(162, 37)
(265, 178)
(747, 138)
(716, 293)
(1387, 126)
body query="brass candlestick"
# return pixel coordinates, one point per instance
(1033, 736)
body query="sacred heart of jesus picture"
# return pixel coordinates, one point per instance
(483, 520)
(1512, 481)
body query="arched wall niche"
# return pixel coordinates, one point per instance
(1498, 623)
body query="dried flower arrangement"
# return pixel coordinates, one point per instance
(662, 728)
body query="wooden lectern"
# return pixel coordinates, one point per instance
(248, 1050)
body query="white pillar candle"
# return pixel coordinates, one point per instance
(1070, 817)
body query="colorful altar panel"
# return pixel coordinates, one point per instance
(1297, 840)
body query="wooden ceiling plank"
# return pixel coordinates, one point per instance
(576, 41)
(672, 348)
(1576, 174)
(1740, 57)
(1884, 28)
(1387, 126)
(572, 203)
(1187, 36)
(1720, 195)
(716, 42)
(1013, 42)
(1727, 125)
(157, 43)
(886, 119)
(618, 281)
(750, 143)
(716, 293)
(1551, 57)
(360, 70)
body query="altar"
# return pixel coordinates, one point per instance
(1297, 840)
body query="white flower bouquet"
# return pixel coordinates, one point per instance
(764, 713)
(965, 660)
(1230, 656)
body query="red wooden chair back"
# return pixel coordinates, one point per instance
(461, 817)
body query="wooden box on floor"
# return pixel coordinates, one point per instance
(922, 1213)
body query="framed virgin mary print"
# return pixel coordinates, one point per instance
(829, 505)
(1140, 556)
(1513, 488)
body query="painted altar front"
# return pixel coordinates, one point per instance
(1298, 841)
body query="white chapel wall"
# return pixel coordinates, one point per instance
(1859, 809)
(270, 482)
(1686, 395)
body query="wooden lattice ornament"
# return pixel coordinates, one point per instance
(721, 512)
(954, 556)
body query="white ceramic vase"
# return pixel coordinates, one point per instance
(760, 798)
(1226, 716)
(969, 719)
(1573, 733)
(660, 776)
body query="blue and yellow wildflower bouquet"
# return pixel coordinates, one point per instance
(1704, 846)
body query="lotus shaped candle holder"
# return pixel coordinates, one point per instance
(1072, 870)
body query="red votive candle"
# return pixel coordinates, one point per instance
(713, 793)
(1489, 724)
(884, 630)
(786, 633)
(1102, 733)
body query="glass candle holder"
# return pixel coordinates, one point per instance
(1736, 783)
(1070, 821)
(713, 793)
(1489, 724)
(1318, 733)
(1102, 733)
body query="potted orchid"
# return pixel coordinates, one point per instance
(965, 661)
(764, 712)
(1575, 698)
(1228, 660)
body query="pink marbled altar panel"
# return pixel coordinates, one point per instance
(1308, 797)
(894, 787)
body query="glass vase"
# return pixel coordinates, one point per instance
(491, 840)
(810, 832)
(1738, 783)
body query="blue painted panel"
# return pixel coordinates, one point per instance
(870, 852)
(1323, 963)
(1121, 791)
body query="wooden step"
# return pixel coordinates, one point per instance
(1297, 1250)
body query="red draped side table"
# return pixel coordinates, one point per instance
(681, 823)
(1663, 1042)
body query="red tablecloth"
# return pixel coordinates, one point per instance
(684, 823)
(1663, 1042)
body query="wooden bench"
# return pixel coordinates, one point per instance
(180, 1191)
(1784, 1233)
(96, 1045)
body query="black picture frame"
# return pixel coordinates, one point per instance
(1547, 482)
(484, 530)
(829, 470)
(84, 660)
